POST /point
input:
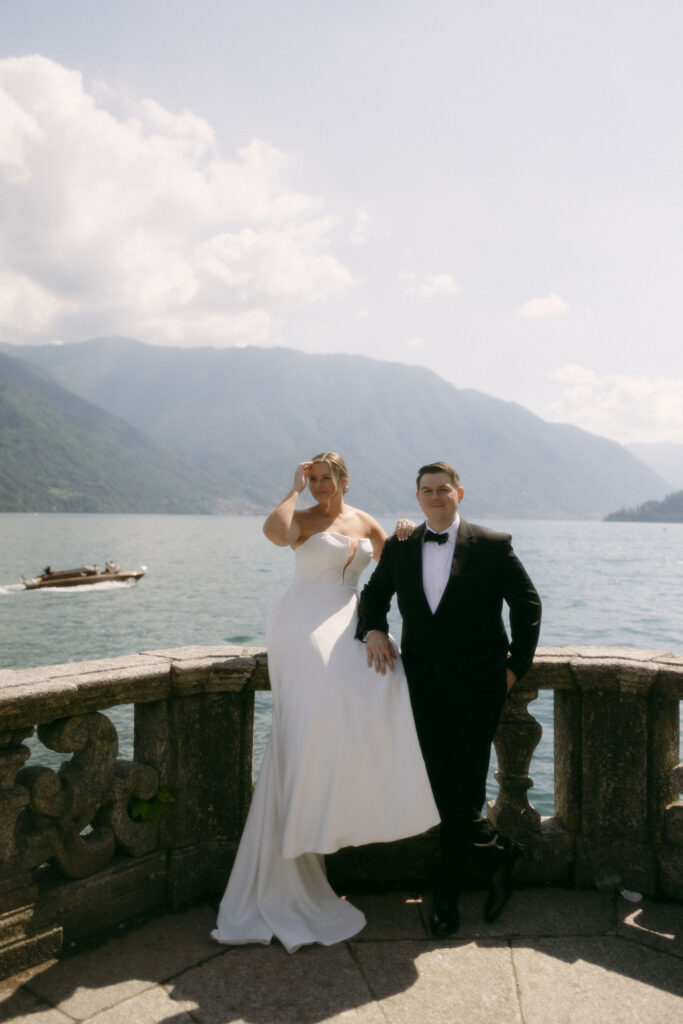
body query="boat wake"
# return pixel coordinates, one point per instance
(6, 589)
(9, 589)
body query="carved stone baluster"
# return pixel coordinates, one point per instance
(23, 941)
(13, 798)
(76, 815)
(131, 780)
(64, 803)
(515, 741)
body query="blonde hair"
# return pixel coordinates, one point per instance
(338, 469)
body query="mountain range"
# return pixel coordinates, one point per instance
(113, 424)
(59, 453)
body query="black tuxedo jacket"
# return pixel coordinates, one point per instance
(465, 638)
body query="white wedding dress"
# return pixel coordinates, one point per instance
(342, 767)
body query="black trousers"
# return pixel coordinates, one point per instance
(455, 726)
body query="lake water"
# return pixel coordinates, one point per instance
(213, 579)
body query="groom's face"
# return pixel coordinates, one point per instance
(439, 499)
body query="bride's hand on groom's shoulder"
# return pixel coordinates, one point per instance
(403, 529)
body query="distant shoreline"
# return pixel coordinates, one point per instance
(669, 510)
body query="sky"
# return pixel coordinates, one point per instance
(488, 188)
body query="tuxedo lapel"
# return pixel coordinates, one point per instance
(414, 563)
(462, 548)
(460, 553)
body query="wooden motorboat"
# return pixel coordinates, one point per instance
(84, 574)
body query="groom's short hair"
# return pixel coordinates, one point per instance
(438, 467)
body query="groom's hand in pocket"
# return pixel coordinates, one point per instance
(381, 651)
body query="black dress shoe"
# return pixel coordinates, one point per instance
(500, 882)
(445, 919)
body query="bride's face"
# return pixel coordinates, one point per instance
(322, 483)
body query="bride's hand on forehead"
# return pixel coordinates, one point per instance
(301, 475)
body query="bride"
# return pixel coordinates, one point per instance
(343, 766)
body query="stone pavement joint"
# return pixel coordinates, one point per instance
(560, 955)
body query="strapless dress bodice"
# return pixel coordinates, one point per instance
(332, 558)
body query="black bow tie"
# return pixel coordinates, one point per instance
(438, 538)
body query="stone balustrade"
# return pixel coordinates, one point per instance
(101, 840)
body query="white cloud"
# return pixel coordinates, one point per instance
(434, 284)
(539, 309)
(26, 302)
(17, 132)
(428, 285)
(417, 342)
(136, 223)
(287, 262)
(626, 409)
(360, 231)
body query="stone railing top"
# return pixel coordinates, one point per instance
(625, 669)
(31, 696)
(34, 695)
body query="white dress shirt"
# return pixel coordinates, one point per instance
(436, 564)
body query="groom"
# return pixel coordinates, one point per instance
(451, 578)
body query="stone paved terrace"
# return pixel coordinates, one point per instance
(556, 955)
